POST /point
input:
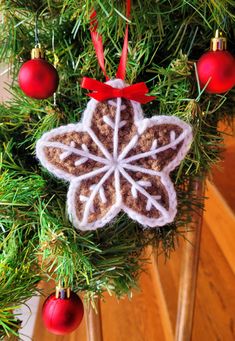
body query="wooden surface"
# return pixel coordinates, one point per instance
(215, 303)
(223, 173)
(93, 318)
(215, 300)
(222, 218)
(164, 310)
(136, 320)
(189, 273)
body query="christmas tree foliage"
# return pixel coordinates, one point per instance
(166, 38)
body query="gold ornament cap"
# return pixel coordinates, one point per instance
(62, 292)
(37, 52)
(218, 42)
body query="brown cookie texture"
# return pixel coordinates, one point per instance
(68, 164)
(104, 132)
(162, 134)
(99, 209)
(139, 204)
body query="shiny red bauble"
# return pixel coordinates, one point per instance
(38, 78)
(219, 67)
(61, 316)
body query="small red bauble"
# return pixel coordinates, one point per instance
(218, 66)
(64, 314)
(38, 78)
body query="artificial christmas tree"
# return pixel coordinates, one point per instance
(37, 239)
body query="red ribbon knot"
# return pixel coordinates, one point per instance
(101, 91)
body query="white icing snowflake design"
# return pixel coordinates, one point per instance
(116, 159)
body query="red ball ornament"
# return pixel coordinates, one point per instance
(38, 78)
(217, 67)
(62, 312)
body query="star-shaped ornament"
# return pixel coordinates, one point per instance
(117, 160)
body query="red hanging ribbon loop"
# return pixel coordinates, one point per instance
(101, 91)
(121, 72)
(97, 43)
(136, 92)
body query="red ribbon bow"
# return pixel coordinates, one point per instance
(101, 91)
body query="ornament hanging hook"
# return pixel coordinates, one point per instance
(55, 61)
(62, 291)
(36, 35)
(37, 51)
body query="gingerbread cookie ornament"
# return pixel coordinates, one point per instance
(117, 160)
